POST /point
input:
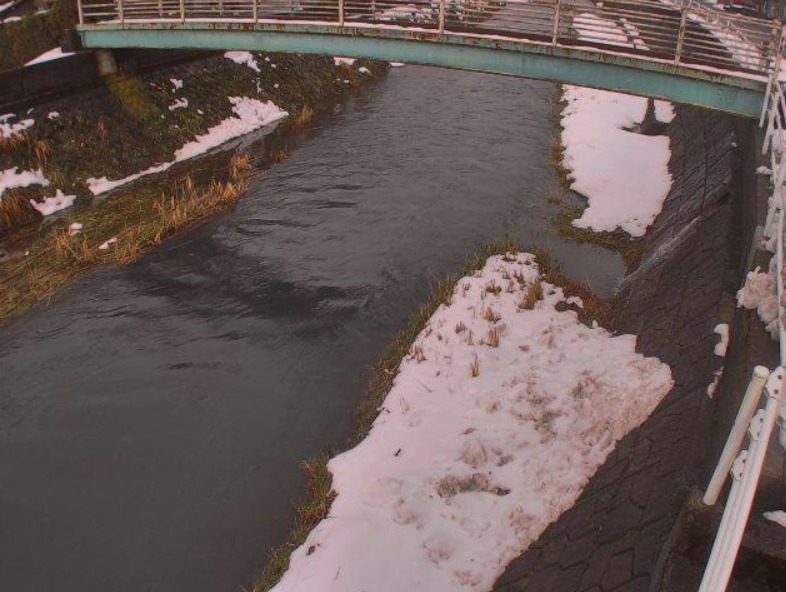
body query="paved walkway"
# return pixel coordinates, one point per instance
(611, 539)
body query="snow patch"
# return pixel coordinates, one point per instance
(250, 114)
(623, 175)
(496, 421)
(344, 61)
(177, 84)
(364, 70)
(179, 104)
(50, 205)
(712, 388)
(760, 292)
(664, 111)
(722, 330)
(397, 64)
(10, 178)
(48, 56)
(777, 516)
(8, 129)
(763, 170)
(74, 228)
(53, 115)
(105, 245)
(243, 58)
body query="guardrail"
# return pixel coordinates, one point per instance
(688, 34)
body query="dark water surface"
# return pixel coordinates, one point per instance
(153, 417)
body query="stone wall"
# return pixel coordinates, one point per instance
(684, 285)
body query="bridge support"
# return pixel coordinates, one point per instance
(105, 60)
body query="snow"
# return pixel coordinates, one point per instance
(763, 170)
(176, 83)
(460, 474)
(105, 245)
(8, 129)
(10, 179)
(594, 28)
(250, 114)
(344, 61)
(74, 228)
(397, 64)
(721, 329)
(53, 115)
(5, 6)
(48, 56)
(243, 58)
(712, 388)
(623, 175)
(664, 111)
(50, 205)
(364, 70)
(777, 516)
(179, 104)
(760, 292)
(11, 19)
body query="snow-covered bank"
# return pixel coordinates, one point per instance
(623, 174)
(250, 115)
(501, 413)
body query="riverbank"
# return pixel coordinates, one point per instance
(145, 128)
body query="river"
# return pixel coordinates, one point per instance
(153, 417)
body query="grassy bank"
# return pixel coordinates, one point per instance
(134, 123)
(128, 127)
(319, 495)
(23, 40)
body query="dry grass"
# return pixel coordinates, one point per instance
(534, 293)
(474, 367)
(60, 256)
(315, 507)
(301, 119)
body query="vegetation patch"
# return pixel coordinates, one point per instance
(320, 494)
(23, 40)
(620, 241)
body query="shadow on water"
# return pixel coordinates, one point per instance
(153, 417)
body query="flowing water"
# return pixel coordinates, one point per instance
(153, 417)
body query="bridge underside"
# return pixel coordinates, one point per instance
(582, 67)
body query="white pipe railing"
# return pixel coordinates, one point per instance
(688, 34)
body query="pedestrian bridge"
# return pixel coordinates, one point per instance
(683, 52)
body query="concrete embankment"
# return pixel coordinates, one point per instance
(625, 531)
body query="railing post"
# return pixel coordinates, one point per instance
(341, 13)
(183, 10)
(441, 16)
(120, 11)
(778, 45)
(555, 30)
(161, 8)
(256, 11)
(681, 35)
(81, 12)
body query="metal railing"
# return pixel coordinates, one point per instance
(745, 466)
(685, 34)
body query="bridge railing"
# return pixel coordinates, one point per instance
(685, 34)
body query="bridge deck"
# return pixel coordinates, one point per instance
(685, 53)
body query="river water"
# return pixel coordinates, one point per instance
(153, 417)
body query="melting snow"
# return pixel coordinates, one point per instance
(50, 205)
(364, 70)
(250, 114)
(10, 179)
(460, 474)
(243, 58)
(179, 104)
(777, 516)
(176, 83)
(105, 245)
(74, 228)
(760, 292)
(345, 61)
(48, 56)
(722, 330)
(8, 129)
(624, 175)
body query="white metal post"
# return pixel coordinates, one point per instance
(747, 408)
(341, 13)
(81, 12)
(183, 10)
(441, 16)
(555, 30)
(681, 35)
(256, 11)
(120, 11)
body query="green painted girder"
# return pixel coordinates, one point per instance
(582, 67)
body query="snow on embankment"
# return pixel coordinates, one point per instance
(250, 115)
(623, 174)
(495, 423)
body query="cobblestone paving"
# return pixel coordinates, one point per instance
(610, 540)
